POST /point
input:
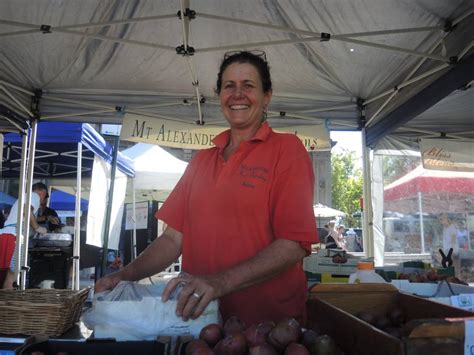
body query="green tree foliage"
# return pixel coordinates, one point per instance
(347, 186)
(394, 167)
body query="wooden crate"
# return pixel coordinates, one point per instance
(332, 309)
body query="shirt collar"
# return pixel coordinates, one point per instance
(262, 134)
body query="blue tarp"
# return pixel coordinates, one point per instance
(62, 201)
(6, 200)
(56, 151)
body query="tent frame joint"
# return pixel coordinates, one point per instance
(185, 50)
(453, 60)
(361, 108)
(324, 37)
(35, 103)
(191, 14)
(448, 26)
(45, 29)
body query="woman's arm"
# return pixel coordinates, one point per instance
(274, 259)
(156, 257)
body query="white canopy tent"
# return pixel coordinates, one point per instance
(156, 174)
(156, 171)
(369, 65)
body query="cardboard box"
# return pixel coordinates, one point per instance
(332, 309)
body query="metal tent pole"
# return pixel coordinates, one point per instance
(30, 173)
(108, 214)
(368, 232)
(21, 203)
(422, 229)
(77, 223)
(134, 222)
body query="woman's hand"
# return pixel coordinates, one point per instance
(196, 294)
(108, 282)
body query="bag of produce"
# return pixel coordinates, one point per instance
(133, 311)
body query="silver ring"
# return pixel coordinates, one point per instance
(197, 295)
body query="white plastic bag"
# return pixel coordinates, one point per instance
(133, 311)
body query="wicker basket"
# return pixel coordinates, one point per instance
(40, 311)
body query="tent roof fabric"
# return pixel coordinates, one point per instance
(56, 150)
(62, 201)
(341, 63)
(430, 182)
(156, 171)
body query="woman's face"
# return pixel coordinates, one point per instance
(242, 98)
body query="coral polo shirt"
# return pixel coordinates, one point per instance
(230, 210)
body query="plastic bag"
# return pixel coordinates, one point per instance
(133, 311)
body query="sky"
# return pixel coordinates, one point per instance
(347, 141)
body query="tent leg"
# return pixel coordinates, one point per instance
(77, 223)
(422, 230)
(368, 233)
(31, 166)
(21, 203)
(105, 246)
(134, 217)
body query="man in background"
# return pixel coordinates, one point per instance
(46, 217)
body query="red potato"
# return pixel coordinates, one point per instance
(257, 334)
(286, 331)
(266, 327)
(234, 325)
(203, 351)
(296, 349)
(211, 334)
(232, 344)
(195, 344)
(262, 349)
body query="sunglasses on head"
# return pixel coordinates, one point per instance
(255, 52)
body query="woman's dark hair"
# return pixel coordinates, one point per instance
(258, 61)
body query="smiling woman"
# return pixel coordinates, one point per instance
(241, 215)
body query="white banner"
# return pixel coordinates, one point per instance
(168, 133)
(447, 154)
(100, 184)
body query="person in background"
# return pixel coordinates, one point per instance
(351, 240)
(242, 214)
(47, 217)
(333, 236)
(341, 239)
(9, 231)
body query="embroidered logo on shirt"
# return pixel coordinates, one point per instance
(255, 172)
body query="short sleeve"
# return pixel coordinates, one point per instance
(292, 196)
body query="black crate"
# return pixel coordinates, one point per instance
(49, 265)
(160, 346)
